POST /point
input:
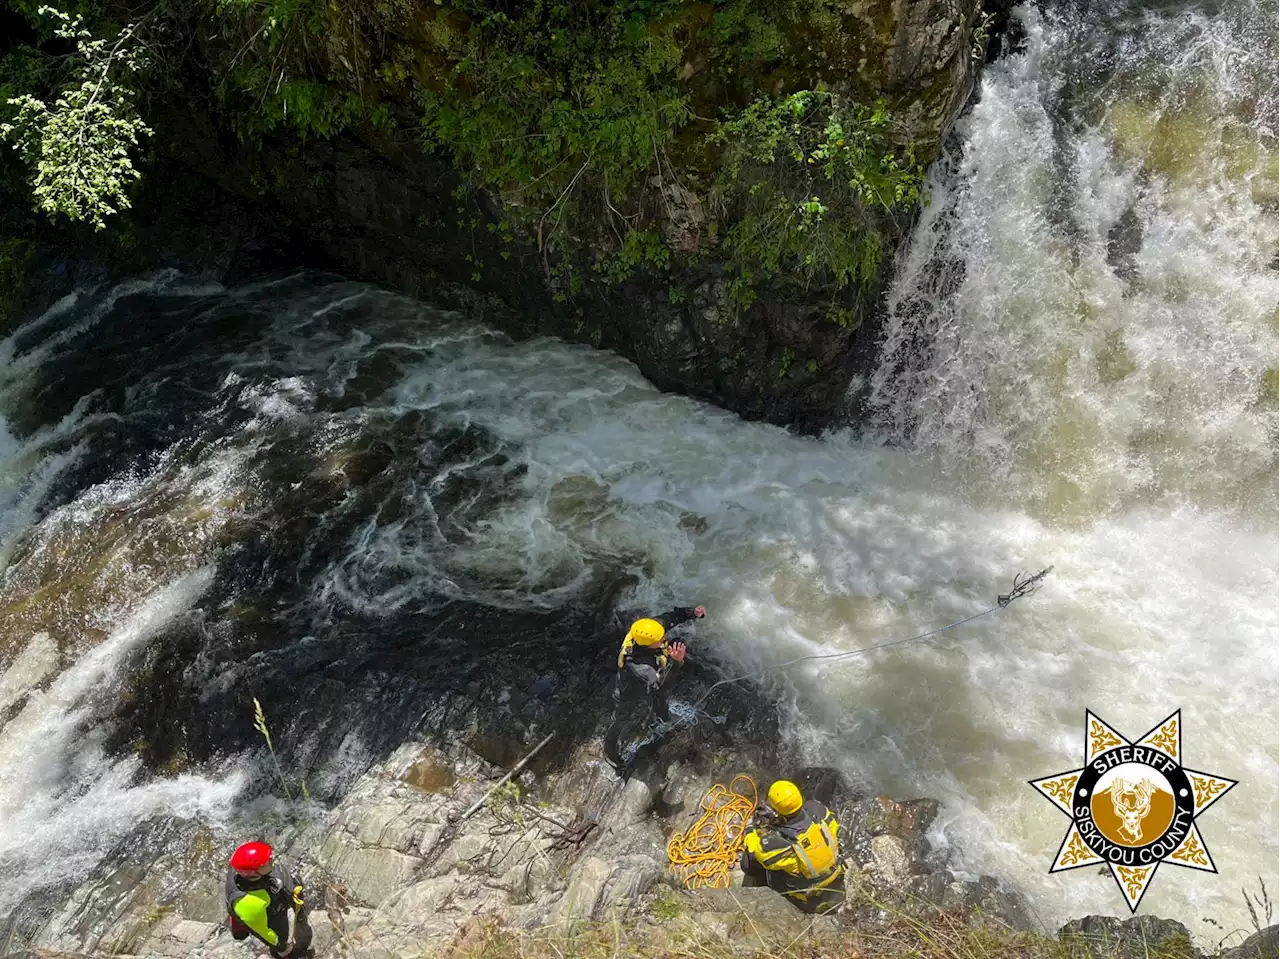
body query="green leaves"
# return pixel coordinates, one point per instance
(79, 146)
(639, 248)
(808, 172)
(526, 101)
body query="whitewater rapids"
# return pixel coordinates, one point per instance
(1079, 369)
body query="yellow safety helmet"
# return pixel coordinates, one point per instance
(646, 632)
(785, 798)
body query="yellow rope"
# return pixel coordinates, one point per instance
(703, 855)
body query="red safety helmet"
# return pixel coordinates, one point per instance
(251, 856)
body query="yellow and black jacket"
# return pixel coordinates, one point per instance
(632, 657)
(800, 855)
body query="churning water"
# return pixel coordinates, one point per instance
(1079, 369)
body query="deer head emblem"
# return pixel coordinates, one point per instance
(1132, 803)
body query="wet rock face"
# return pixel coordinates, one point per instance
(373, 207)
(891, 867)
(566, 841)
(930, 66)
(380, 208)
(395, 870)
(783, 360)
(396, 864)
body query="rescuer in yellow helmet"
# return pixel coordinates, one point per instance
(798, 853)
(645, 660)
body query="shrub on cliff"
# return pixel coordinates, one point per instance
(575, 115)
(77, 134)
(617, 136)
(808, 173)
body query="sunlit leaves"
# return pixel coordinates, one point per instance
(78, 146)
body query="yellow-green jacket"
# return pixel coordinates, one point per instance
(266, 906)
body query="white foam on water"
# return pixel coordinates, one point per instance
(1015, 350)
(37, 662)
(30, 465)
(799, 546)
(23, 351)
(1116, 426)
(63, 801)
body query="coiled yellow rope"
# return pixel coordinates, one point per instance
(703, 855)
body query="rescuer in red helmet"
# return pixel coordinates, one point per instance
(264, 899)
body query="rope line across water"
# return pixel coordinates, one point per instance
(1023, 585)
(704, 854)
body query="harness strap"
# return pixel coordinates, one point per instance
(818, 884)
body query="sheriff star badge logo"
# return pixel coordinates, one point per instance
(1133, 806)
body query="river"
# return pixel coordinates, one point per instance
(200, 485)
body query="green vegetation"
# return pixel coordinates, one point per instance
(639, 248)
(78, 141)
(667, 904)
(670, 929)
(505, 801)
(260, 724)
(566, 109)
(676, 925)
(277, 72)
(809, 173)
(532, 100)
(584, 117)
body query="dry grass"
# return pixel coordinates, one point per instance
(732, 926)
(949, 935)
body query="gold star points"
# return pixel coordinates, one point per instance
(1133, 806)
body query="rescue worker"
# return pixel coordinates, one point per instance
(798, 853)
(645, 661)
(647, 657)
(264, 899)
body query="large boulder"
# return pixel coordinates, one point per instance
(1263, 944)
(1106, 937)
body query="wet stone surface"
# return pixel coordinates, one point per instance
(395, 863)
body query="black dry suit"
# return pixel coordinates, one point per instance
(283, 914)
(643, 669)
(799, 856)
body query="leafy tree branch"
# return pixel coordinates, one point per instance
(79, 146)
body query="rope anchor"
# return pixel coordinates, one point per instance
(1023, 585)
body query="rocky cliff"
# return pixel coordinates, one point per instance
(715, 189)
(567, 863)
(394, 870)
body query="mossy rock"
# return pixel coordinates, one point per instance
(1192, 144)
(1269, 390)
(1114, 359)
